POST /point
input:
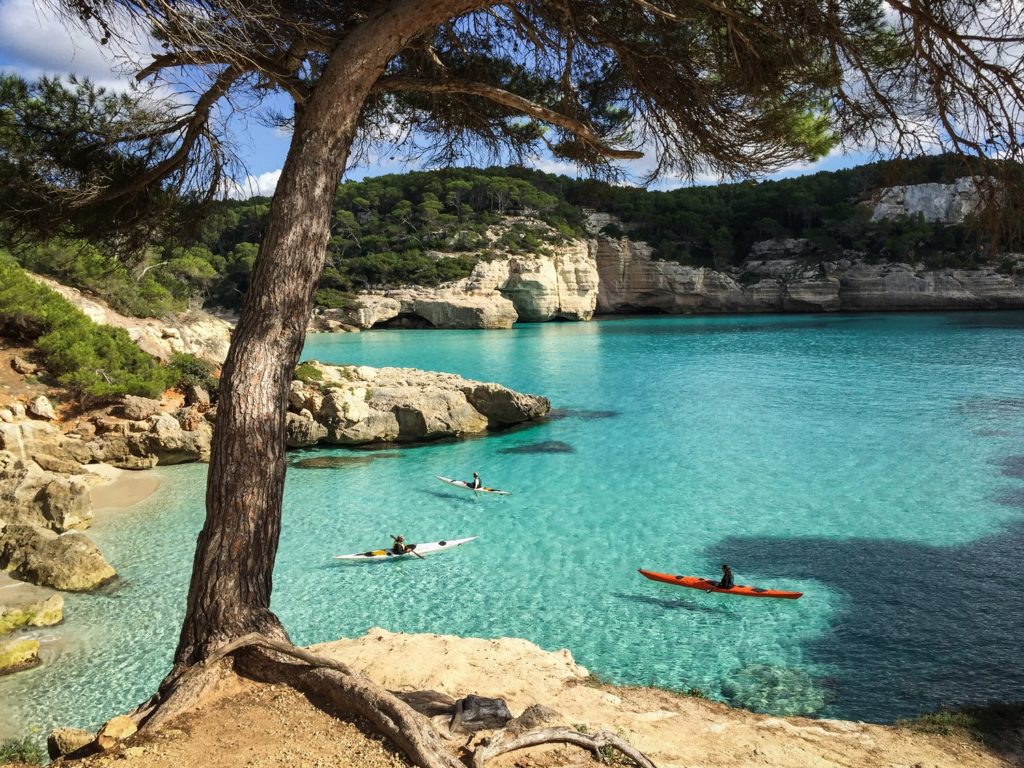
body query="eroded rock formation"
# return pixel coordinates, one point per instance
(355, 405)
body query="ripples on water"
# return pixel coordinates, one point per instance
(869, 461)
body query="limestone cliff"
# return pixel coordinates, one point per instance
(560, 285)
(604, 275)
(779, 279)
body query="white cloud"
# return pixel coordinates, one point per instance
(35, 41)
(262, 185)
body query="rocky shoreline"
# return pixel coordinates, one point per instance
(532, 688)
(53, 473)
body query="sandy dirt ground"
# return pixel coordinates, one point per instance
(249, 725)
(117, 488)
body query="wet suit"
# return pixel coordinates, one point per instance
(476, 483)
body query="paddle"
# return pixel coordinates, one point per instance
(409, 549)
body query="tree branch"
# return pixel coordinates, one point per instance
(511, 100)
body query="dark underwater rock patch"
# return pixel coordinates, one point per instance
(548, 446)
(775, 689)
(332, 462)
(993, 406)
(1013, 466)
(1014, 498)
(581, 413)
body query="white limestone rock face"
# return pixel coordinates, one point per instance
(360, 405)
(195, 332)
(940, 203)
(562, 284)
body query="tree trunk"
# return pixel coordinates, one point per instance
(232, 574)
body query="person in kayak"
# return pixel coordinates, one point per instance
(727, 580)
(400, 547)
(476, 483)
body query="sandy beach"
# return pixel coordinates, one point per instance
(118, 488)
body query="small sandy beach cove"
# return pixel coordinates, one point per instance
(119, 488)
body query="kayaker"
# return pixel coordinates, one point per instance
(400, 547)
(476, 483)
(727, 580)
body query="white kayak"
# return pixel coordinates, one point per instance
(419, 549)
(464, 484)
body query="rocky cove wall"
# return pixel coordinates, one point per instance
(779, 279)
(602, 276)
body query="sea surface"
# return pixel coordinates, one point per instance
(875, 462)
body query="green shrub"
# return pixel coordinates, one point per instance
(332, 298)
(308, 373)
(94, 362)
(185, 369)
(996, 725)
(23, 750)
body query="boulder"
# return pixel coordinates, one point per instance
(171, 444)
(70, 562)
(196, 395)
(34, 496)
(17, 654)
(57, 464)
(25, 438)
(114, 731)
(66, 741)
(358, 405)
(139, 408)
(502, 406)
(23, 366)
(6, 415)
(40, 408)
(31, 611)
(302, 431)
(479, 713)
(191, 418)
(18, 410)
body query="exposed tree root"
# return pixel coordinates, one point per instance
(504, 742)
(343, 691)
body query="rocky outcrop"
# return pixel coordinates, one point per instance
(30, 611)
(17, 654)
(30, 495)
(195, 332)
(65, 741)
(561, 284)
(70, 562)
(779, 279)
(939, 203)
(350, 405)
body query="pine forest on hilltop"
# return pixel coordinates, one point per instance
(387, 231)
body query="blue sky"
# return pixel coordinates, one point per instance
(33, 42)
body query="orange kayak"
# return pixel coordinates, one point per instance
(707, 585)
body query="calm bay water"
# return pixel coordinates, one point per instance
(874, 462)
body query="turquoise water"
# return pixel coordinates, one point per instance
(874, 462)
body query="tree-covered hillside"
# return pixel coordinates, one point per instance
(425, 228)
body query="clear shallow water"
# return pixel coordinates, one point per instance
(866, 460)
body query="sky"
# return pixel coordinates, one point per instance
(34, 42)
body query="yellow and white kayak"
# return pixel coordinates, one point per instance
(417, 549)
(466, 486)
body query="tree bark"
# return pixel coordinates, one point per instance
(232, 575)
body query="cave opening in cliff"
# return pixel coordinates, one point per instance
(405, 320)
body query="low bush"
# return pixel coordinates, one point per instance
(23, 750)
(93, 362)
